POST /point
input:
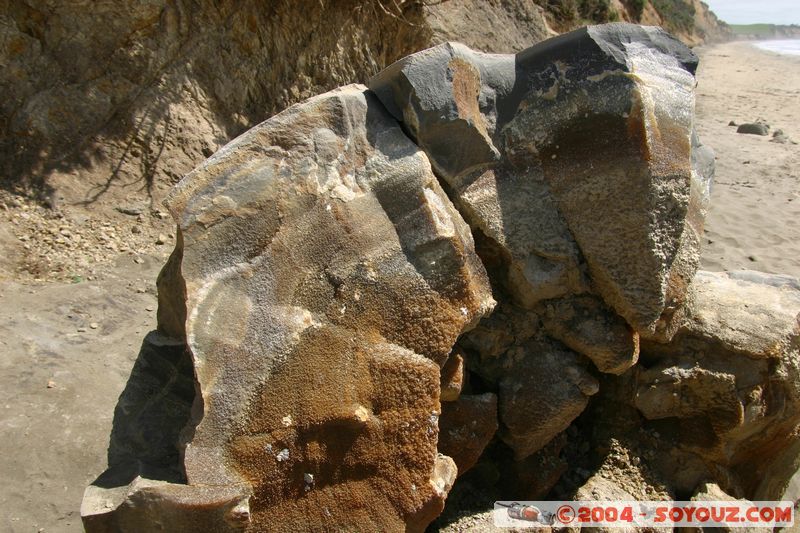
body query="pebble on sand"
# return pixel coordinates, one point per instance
(753, 128)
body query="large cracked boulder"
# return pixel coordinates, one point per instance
(324, 278)
(332, 300)
(576, 165)
(572, 157)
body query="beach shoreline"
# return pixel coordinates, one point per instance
(783, 47)
(752, 222)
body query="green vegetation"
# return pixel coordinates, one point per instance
(568, 14)
(678, 15)
(762, 30)
(597, 10)
(563, 14)
(766, 31)
(635, 8)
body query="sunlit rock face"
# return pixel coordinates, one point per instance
(727, 388)
(324, 278)
(572, 157)
(321, 255)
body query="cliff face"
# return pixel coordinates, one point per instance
(690, 20)
(108, 100)
(497, 26)
(141, 91)
(696, 23)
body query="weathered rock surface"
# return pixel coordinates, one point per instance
(586, 325)
(559, 152)
(533, 415)
(729, 382)
(756, 317)
(325, 278)
(534, 476)
(507, 326)
(452, 378)
(616, 211)
(541, 384)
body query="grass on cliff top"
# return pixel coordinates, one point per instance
(753, 29)
(566, 15)
(678, 15)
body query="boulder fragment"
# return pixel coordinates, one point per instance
(452, 377)
(508, 325)
(465, 428)
(537, 474)
(755, 316)
(586, 325)
(447, 97)
(543, 390)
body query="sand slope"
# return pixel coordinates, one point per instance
(60, 378)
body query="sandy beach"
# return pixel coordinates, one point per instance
(755, 203)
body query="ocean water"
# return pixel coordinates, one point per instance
(782, 46)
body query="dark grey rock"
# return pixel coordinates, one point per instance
(753, 128)
(778, 136)
(446, 97)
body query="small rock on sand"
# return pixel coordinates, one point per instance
(754, 128)
(778, 136)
